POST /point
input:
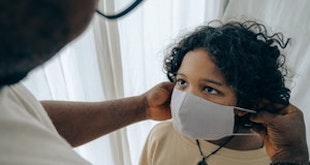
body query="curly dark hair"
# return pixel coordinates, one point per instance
(247, 56)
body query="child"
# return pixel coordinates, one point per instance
(222, 74)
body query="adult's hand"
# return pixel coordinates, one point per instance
(157, 101)
(284, 134)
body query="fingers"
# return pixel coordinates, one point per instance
(261, 120)
(263, 117)
(164, 91)
(291, 109)
(258, 128)
(266, 105)
(158, 101)
(283, 132)
(168, 86)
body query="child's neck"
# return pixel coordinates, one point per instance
(243, 142)
(246, 142)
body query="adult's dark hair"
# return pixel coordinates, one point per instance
(247, 56)
(32, 31)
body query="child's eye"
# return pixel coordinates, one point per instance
(210, 90)
(181, 83)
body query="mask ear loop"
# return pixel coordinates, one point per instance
(244, 120)
(204, 158)
(236, 123)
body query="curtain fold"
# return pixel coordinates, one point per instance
(108, 52)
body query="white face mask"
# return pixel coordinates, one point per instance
(201, 119)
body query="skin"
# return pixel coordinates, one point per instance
(199, 75)
(284, 134)
(81, 122)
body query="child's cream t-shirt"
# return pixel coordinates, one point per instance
(166, 146)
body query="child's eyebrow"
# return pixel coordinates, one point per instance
(213, 81)
(180, 74)
(205, 80)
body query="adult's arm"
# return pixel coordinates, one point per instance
(284, 135)
(81, 122)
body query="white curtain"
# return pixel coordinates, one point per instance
(114, 59)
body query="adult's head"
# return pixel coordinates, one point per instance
(33, 31)
(247, 56)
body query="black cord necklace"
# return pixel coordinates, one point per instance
(204, 158)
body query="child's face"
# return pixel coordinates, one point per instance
(200, 76)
